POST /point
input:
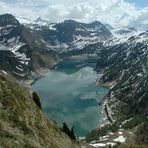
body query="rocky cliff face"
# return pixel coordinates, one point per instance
(22, 50)
(25, 48)
(124, 68)
(125, 64)
(23, 124)
(71, 35)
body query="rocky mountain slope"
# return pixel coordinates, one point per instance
(125, 108)
(25, 48)
(22, 50)
(71, 35)
(126, 67)
(123, 63)
(23, 124)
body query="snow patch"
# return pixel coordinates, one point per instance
(111, 144)
(22, 75)
(4, 72)
(120, 139)
(19, 68)
(98, 145)
(127, 121)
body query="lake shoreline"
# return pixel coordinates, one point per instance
(105, 110)
(43, 73)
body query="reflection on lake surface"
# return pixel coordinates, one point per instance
(70, 95)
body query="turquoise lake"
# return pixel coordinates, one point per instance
(68, 94)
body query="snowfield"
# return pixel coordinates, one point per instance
(120, 139)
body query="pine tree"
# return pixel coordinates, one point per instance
(72, 133)
(69, 132)
(36, 99)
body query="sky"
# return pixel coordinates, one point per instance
(139, 3)
(117, 13)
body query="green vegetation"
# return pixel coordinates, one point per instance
(36, 99)
(95, 134)
(131, 146)
(22, 123)
(142, 132)
(137, 120)
(69, 132)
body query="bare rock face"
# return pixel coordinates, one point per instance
(8, 19)
(126, 64)
(22, 50)
(23, 124)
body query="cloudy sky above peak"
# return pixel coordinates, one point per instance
(114, 12)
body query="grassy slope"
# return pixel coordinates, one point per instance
(22, 123)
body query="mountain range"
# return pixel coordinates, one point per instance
(29, 47)
(24, 48)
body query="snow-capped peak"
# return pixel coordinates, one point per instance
(41, 21)
(23, 20)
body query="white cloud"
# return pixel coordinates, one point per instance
(114, 12)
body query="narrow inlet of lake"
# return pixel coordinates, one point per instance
(69, 94)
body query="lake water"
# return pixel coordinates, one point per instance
(68, 94)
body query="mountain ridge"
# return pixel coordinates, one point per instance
(23, 48)
(123, 63)
(124, 107)
(34, 48)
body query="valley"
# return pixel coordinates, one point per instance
(68, 93)
(85, 74)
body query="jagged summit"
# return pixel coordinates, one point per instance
(41, 22)
(8, 19)
(95, 23)
(19, 46)
(26, 43)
